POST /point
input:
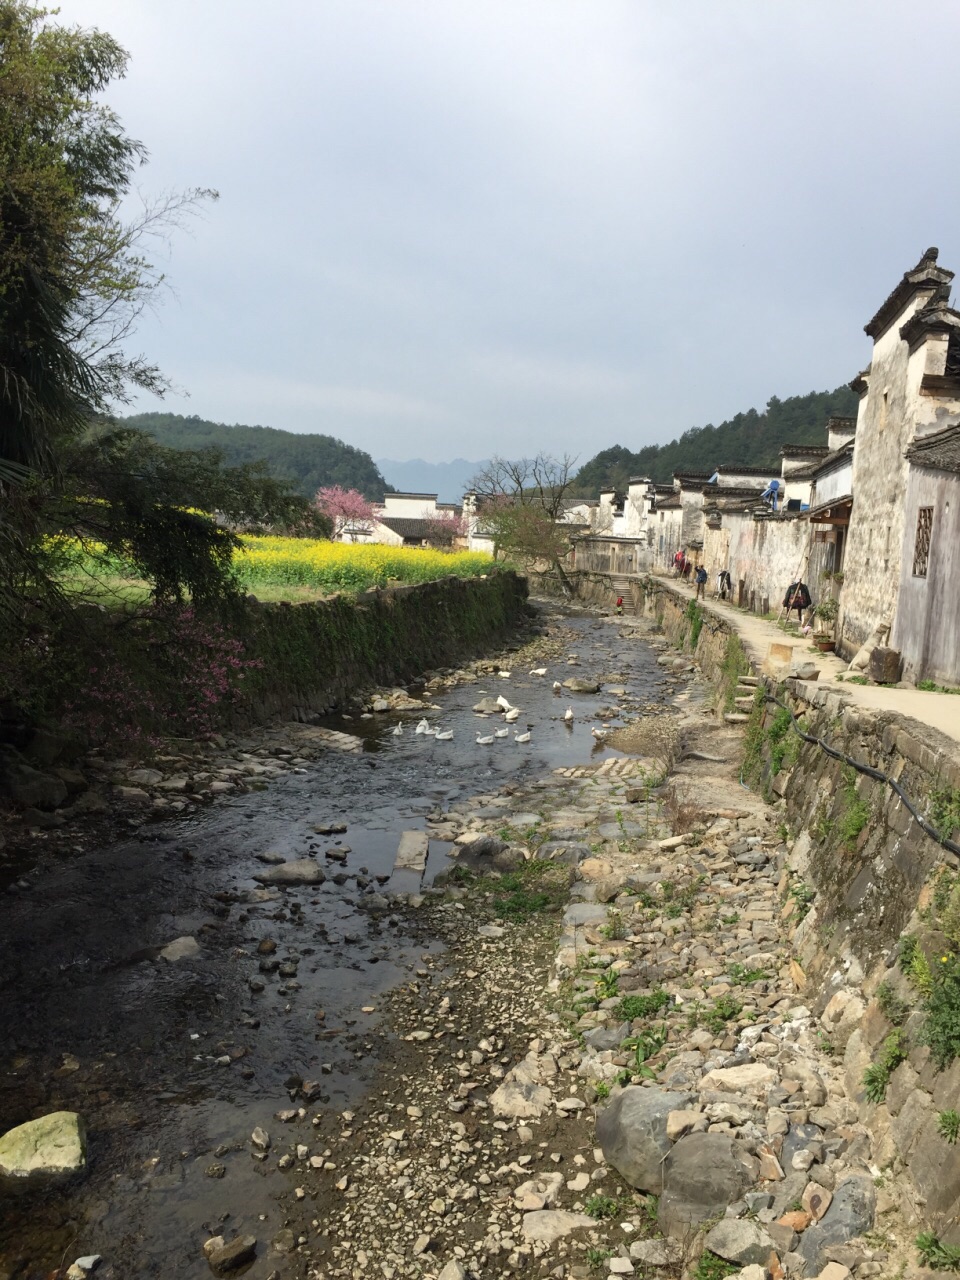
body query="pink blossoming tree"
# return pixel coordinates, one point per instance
(347, 509)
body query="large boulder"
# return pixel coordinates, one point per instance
(46, 1150)
(632, 1132)
(28, 788)
(739, 1240)
(851, 1213)
(301, 871)
(703, 1173)
(576, 685)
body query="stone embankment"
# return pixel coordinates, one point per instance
(646, 1089)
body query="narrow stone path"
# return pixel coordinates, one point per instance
(940, 711)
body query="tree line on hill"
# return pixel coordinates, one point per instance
(751, 438)
(305, 462)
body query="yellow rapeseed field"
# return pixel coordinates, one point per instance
(338, 566)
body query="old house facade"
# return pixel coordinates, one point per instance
(907, 392)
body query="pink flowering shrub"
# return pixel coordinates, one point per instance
(171, 674)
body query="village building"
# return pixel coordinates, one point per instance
(407, 520)
(901, 479)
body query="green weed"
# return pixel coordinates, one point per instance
(710, 1266)
(802, 895)
(597, 1257)
(743, 976)
(941, 1027)
(725, 1009)
(891, 1006)
(877, 1075)
(936, 1255)
(631, 1007)
(607, 985)
(601, 1207)
(948, 1125)
(945, 810)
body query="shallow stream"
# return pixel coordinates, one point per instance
(173, 1064)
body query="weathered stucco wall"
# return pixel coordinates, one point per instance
(926, 629)
(764, 557)
(612, 555)
(886, 423)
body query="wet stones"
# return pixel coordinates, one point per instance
(300, 871)
(48, 1150)
(224, 1258)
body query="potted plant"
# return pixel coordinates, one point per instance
(826, 612)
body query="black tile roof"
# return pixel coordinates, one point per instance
(940, 451)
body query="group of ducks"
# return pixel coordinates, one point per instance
(510, 715)
(425, 727)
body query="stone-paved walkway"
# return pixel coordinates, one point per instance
(940, 711)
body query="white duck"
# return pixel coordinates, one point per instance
(504, 675)
(501, 733)
(423, 726)
(444, 735)
(512, 714)
(557, 686)
(539, 671)
(397, 730)
(502, 702)
(522, 737)
(484, 741)
(568, 715)
(599, 734)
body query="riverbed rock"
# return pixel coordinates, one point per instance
(487, 707)
(47, 1150)
(29, 788)
(301, 871)
(231, 1256)
(752, 1079)
(577, 685)
(850, 1214)
(520, 1100)
(548, 1225)
(842, 1016)
(454, 1270)
(702, 1174)
(180, 949)
(739, 1240)
(632, 1132)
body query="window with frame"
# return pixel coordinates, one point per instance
(921, 548)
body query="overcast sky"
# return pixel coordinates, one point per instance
(460, 227)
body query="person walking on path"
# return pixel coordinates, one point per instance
(701, 581)
(797, 597)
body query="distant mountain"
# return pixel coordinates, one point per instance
(307, 462)
(751, 438)
(447, 480)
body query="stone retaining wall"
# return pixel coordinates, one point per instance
(315, 655)
(860, 875)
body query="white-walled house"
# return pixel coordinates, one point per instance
(402, 520)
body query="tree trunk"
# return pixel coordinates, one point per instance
(564, 580)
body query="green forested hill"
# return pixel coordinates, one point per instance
(751, 438)
(307, 462)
